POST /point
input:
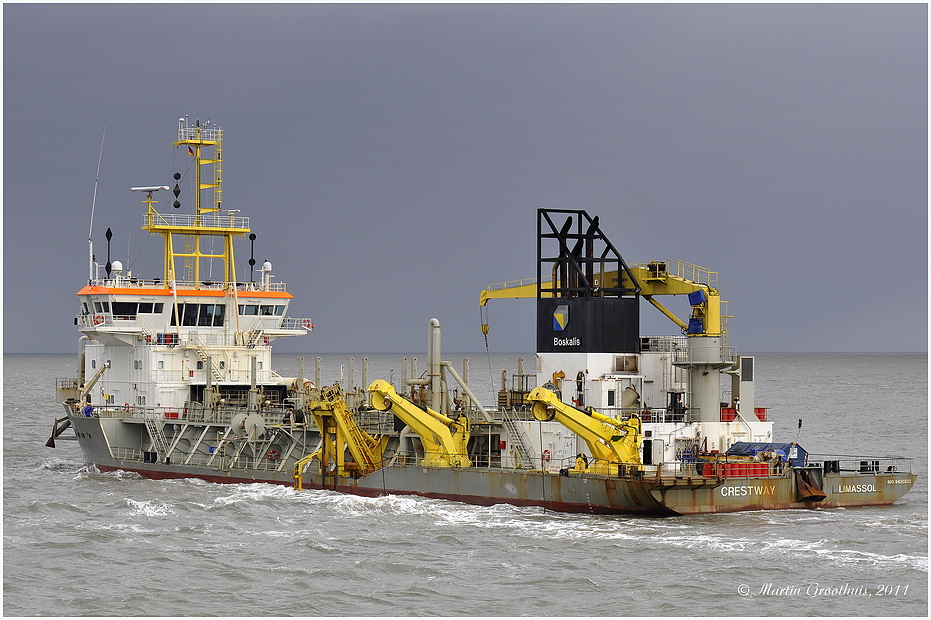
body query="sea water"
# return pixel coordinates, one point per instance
(81, 543)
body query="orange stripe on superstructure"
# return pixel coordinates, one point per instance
(167, 292)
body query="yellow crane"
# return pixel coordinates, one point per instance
(340, 432)
(445, 441)
(614, 444)
(653, 279)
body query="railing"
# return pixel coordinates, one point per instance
(199, 132)
(728, 355)
(193, 412)
(663, 344)
(657, 416)
(681, 269)
(294, 324)
(186, 285)
(375, 422)
(206, 459)
(153, 336)
(847, 464)
(513, 284)
(67, 383)
(209, 220)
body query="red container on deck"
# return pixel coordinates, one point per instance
(728, 414)
(735, 470)
(759, 469)
(760, 413)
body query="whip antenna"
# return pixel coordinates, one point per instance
(90, 243)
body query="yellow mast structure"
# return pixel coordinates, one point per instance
(207, 221)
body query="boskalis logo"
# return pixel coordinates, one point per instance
(561, 317)
(560, 323)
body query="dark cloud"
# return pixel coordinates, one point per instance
(392, 157)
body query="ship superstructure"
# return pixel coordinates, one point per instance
(154, 347)
(175, 380)
(693, 392)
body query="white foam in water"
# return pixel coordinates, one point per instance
(253, 493)
(150, 508)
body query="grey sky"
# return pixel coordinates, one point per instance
(392, 157)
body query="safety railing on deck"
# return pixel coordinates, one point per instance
(849, 464)
(209, 220)
(205, 459)
(140, 325)
(193, 412)
(728, 355)
(131, 282)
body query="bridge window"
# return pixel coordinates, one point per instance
(129, 309)
(200, 315)
(125, 309)
(260, 310)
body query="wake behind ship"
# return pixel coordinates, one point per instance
(175, 380)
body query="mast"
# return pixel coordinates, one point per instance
(90, 232)
(204, 144)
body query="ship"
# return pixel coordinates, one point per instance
(175, 380)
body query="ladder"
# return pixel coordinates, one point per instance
(516, 436)
(158, 439)
(202, 356)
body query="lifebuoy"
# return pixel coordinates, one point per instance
(273, 455)
(126, 407)
(98, 319)
(546, 456)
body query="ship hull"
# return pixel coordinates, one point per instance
(594, 494)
